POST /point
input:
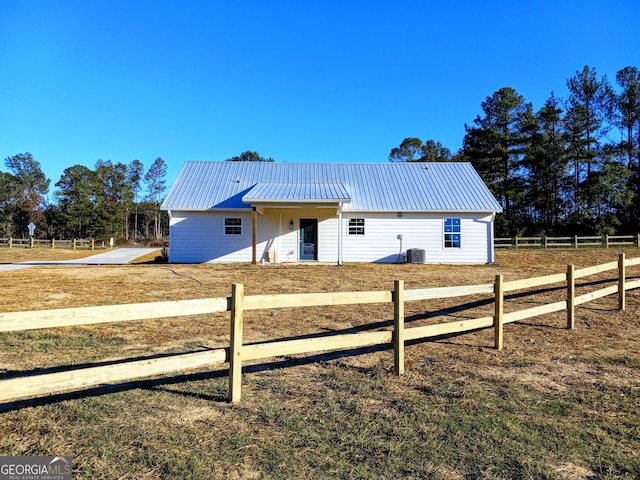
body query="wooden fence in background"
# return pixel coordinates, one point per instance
(575, 241)
(542, 241)
(38, 242)
(237, 352)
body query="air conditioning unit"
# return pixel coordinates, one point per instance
(416, 255)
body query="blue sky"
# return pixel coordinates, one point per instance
(299, 81)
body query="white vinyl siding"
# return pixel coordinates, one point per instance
(420, 231)
(199, 237)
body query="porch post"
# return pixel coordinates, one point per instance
(254, 235)
(492, 240)
(276, 258)
(340, 234)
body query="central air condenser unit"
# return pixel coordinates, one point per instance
(416, 255)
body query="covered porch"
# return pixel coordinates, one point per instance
(308, 219)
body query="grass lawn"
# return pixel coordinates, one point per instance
(22, 254)
(555, 403)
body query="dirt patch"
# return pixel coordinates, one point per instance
(569, 471)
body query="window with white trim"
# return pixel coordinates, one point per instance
(233, 226)
(452, 233)
(356, 226)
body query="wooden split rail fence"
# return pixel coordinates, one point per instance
(53, 243)
(574, 241)
(19, 388)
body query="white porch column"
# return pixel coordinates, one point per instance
(279, 240)
(254, 235)
(340, 234)
(490, 247)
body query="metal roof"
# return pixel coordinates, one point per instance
(397, 187)
(297, 193)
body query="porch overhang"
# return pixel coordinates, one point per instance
(297, 194)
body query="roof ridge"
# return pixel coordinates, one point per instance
(325, 163)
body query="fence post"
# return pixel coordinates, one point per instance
(235, 344)
(606, 240)
(31, 242)
(93, 244)
(621, 281)
(53, 243)
(10, 242)
(515, 241)
(74, 243)
(398, 326)
(575, 241)
(571, 294)
(498, 317)
(544, 241)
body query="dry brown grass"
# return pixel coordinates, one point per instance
(566, 400)
(40, 288)
(22, 254)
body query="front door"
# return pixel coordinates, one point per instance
(308, 239)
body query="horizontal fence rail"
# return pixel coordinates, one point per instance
(237, 351)
(70, 317)
(575, 241)
(535, 282)
(447, 292)
(83, 378)
(542, 241)
(33, 242)
(258, 302)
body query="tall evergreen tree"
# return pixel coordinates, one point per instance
(589, 105)
(413, 150)
(627, 116)
(546, 163)
(609, 194)
(156, 186)
(134, 175)
(495, 146)
(8, 196)
(249, 156)
(76, 197)
(627, 119)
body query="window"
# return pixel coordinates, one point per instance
(451, 233)
(233, 226)
(356, 226)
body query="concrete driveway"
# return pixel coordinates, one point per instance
(118, 256)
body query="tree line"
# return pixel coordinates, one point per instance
(112, 200)
(571, 167)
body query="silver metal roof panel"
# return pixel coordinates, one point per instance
(297, 193)
(399, 187)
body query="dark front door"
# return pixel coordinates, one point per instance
(308, 239)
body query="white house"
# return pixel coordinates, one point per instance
(228, 212)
